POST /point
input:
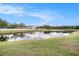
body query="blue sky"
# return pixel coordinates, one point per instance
(40, 13)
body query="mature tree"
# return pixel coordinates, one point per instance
(3, 23)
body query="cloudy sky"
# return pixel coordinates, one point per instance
(40, 13)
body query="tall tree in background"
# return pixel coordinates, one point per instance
(3, 23)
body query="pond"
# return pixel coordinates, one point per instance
(35, 36)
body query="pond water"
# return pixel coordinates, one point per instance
(35, 36)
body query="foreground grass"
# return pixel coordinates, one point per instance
(67, 46)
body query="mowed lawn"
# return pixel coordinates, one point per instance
(66, 46)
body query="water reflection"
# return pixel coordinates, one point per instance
(35, 36)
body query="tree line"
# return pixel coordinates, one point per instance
(58, 27)
(5, 24)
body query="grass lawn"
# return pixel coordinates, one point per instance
(66, 46)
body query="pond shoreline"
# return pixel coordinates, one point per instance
(36, 36)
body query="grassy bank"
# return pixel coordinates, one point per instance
(67, 46)
(14, 31)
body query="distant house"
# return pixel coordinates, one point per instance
(31, 27)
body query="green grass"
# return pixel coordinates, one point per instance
(66, 46)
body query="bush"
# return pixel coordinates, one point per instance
(21, 35)
(2, 38)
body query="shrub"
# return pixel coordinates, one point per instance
(2, 38)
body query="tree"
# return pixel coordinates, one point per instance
(3, 23)
(21, 25)
(2, 38)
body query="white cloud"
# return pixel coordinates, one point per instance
(7, 9)
(45, 15)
